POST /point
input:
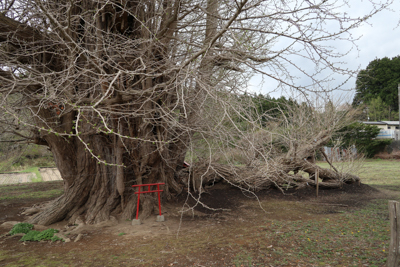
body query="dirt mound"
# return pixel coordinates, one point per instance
(218, 199)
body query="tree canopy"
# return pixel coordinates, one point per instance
(379, 79)
(267, 108)
(121, 91)
(377, 110)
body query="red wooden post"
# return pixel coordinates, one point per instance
(159, 201)
(138, 200)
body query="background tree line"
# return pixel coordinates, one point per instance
(377, 89)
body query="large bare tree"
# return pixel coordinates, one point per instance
(119, 90)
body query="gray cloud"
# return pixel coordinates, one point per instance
(379, 37)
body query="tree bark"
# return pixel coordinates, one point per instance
(95, 191)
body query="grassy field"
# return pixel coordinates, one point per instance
(19, 192)
(36, 171)
(384, 174)
(290, 233)
(352, 237)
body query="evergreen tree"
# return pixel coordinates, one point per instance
(379, 79)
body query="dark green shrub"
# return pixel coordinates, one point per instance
(363, 136)
(47, 234)
(30, 236)
(375, 146)
(21, 228)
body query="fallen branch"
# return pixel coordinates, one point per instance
(327, 160)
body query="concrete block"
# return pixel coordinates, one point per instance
(160, 218)
(136, 222)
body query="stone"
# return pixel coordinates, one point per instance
(160, 218)
(9, 224)
(136, 222)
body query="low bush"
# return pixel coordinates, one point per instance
(21, 228)
(32, 235)
(47, 234)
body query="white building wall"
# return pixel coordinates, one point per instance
(386, 134)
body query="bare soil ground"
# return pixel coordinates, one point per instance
(16, 178)
(197, 237)
(48, 174)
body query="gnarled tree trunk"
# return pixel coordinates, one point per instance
(91, 189)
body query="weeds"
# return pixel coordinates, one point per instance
(21, 228)
(32, 235)
(242, 260)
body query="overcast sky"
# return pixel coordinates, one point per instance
(379, 39)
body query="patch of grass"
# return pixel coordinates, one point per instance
(356, 238)
(377, 172)
(3, 255)
(242, 260)
(382, 173)
(121, 234)
(19, 187)
(352, 238)
(31, 190)
(40, 194)
(36, 171)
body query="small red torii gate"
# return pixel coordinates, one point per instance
(148, 191)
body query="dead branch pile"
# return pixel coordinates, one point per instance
(264, 177)
(280, 171)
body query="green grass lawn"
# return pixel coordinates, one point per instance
(379, 173)
(354, 237)
(382, 174)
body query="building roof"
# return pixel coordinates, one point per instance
(395, 123)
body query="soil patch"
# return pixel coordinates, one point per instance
(50, 174)
(220, 215)
(16, 178)
(231, 198)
